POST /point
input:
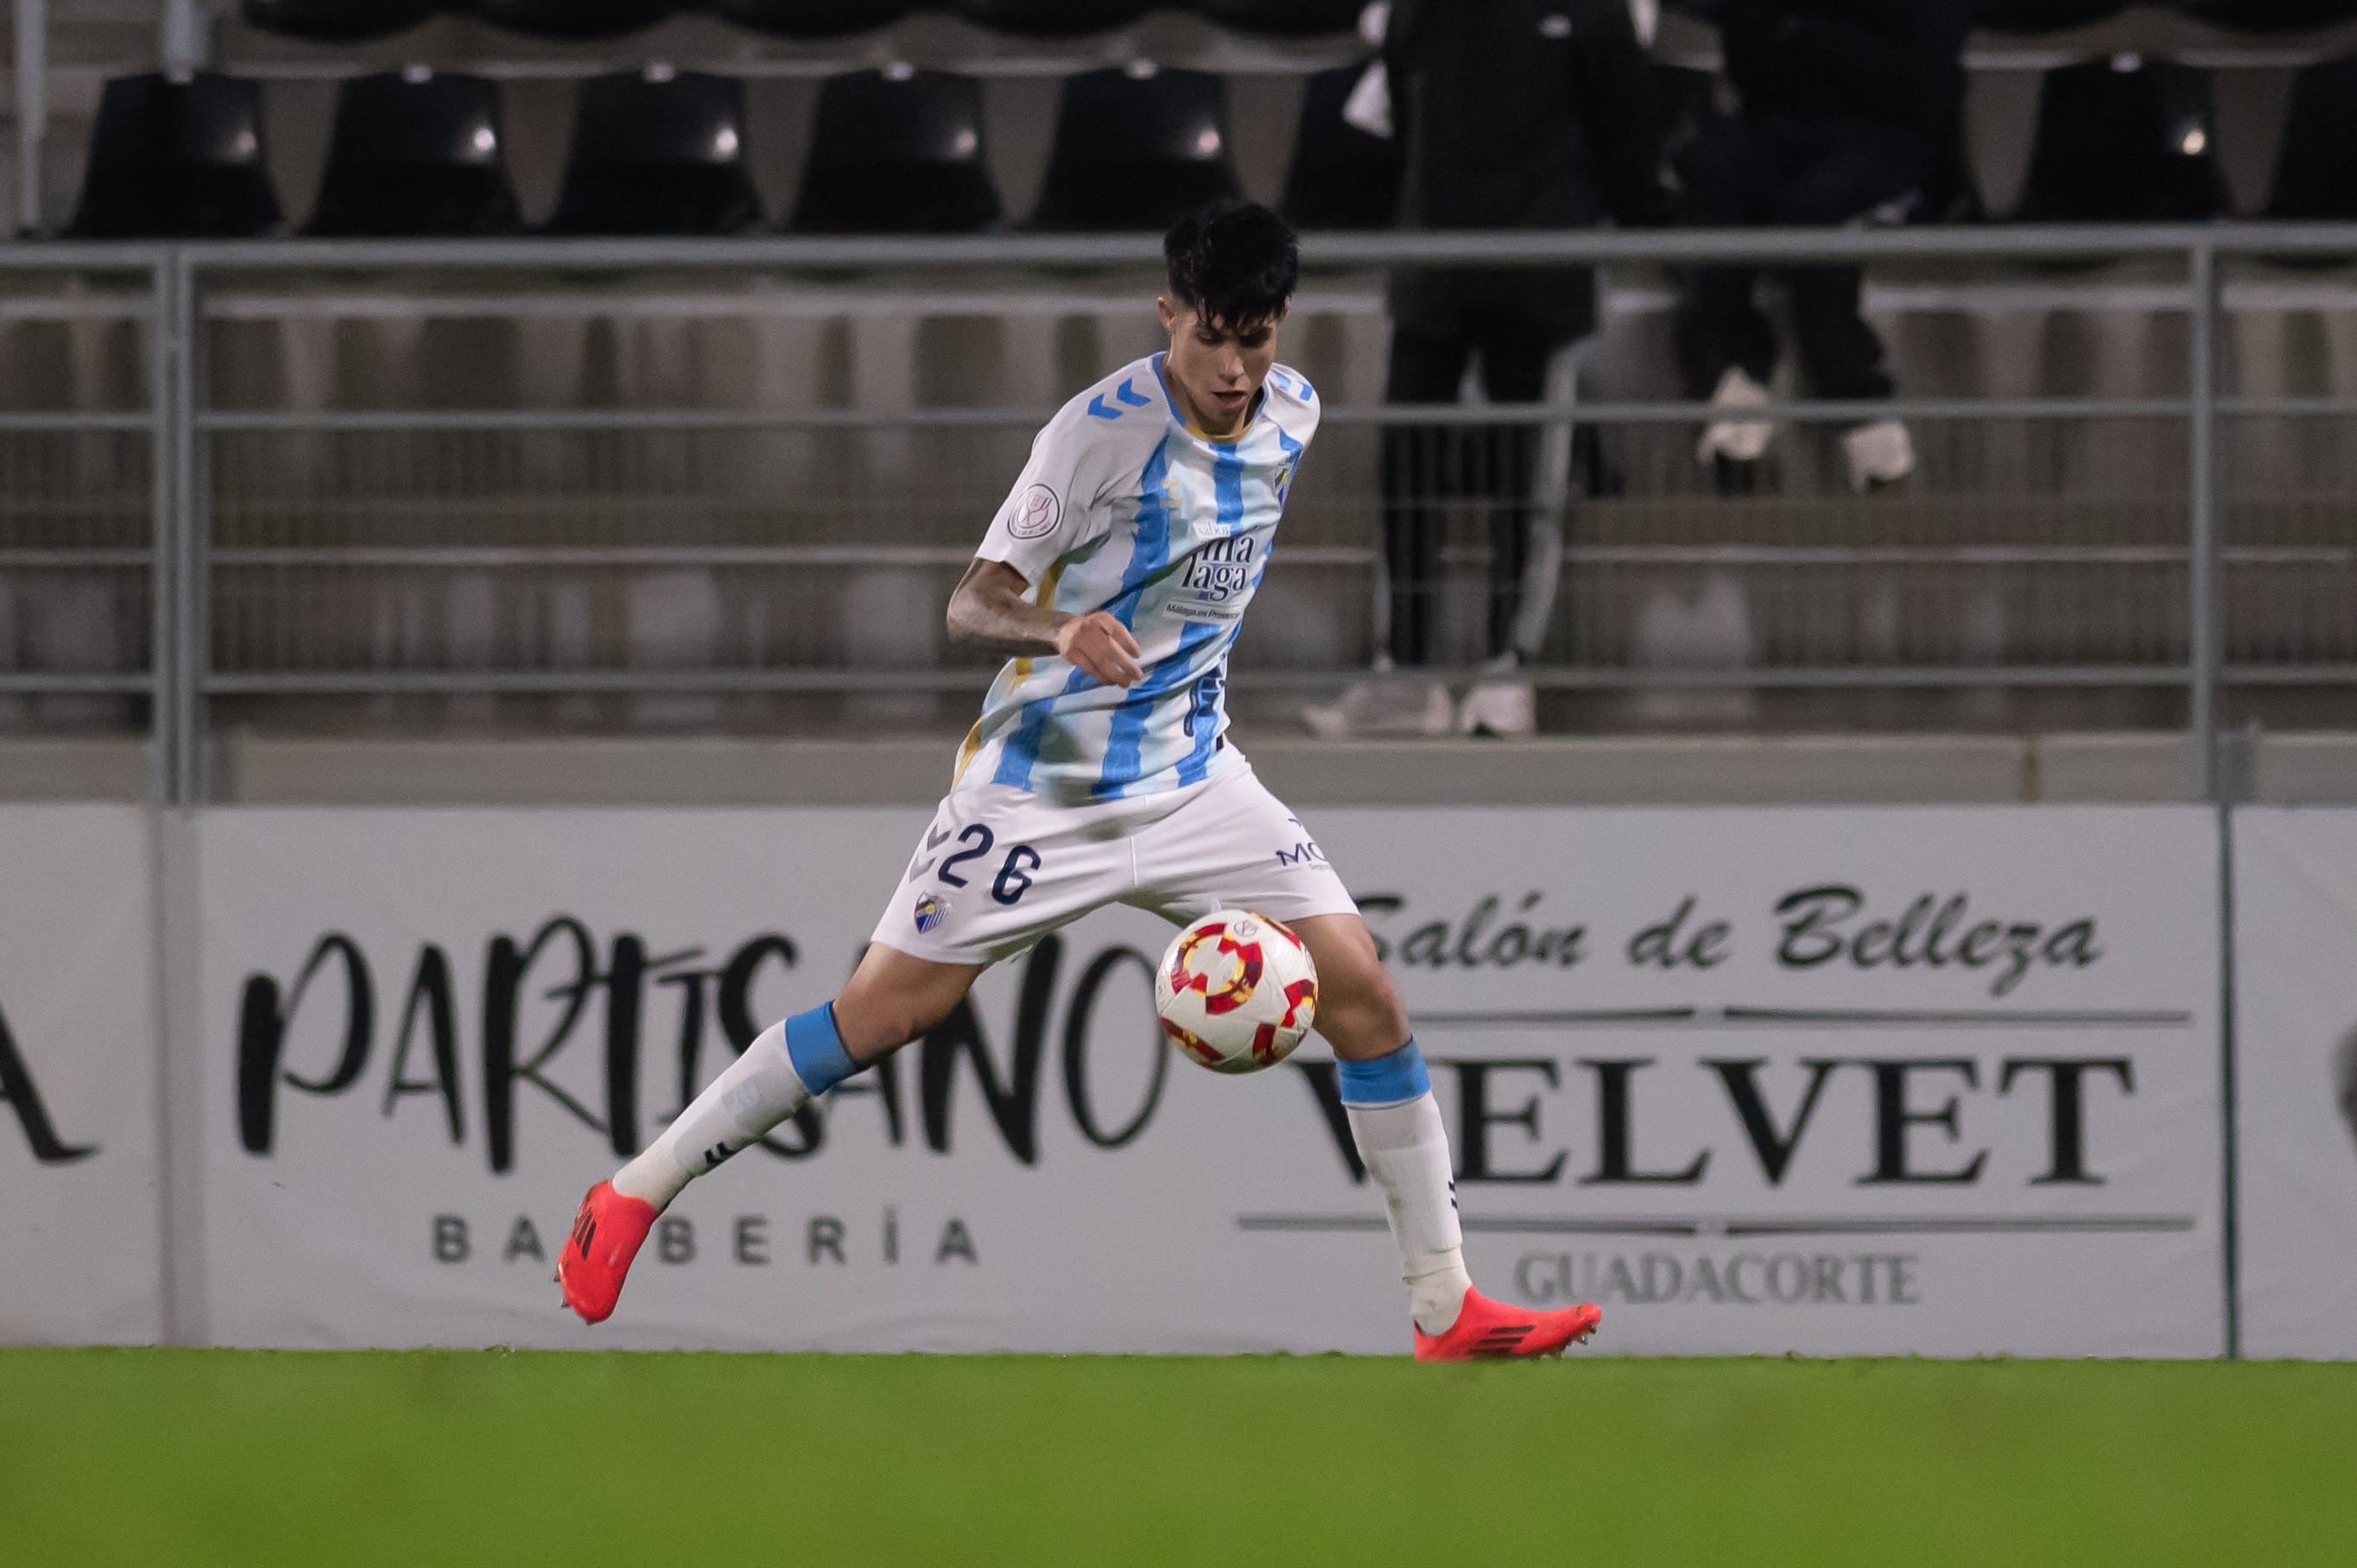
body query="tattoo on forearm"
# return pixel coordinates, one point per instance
(988, 611)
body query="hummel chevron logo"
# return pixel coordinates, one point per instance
(922, 860)
(1122, 393)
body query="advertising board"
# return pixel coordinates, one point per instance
(1941, 1081)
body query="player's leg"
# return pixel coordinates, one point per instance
(997, 870)
(1403, 1144)
(1393, 1118)
(893, 998)
(1238, 847)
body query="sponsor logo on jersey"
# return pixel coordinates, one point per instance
(930, 912)
(1036, 511)
(1218, 575)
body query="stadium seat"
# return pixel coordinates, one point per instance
(571, 19)
(897, 151)
(1050, 19)
(811, 18)
(658, 152)
(2316, 170)
(2033, 16)
(2124, 140)
(415, 152)
(1284, 18)
(336, 21)
(1341, 177)
(1136, 148)
(2270, 15)
(176, 159)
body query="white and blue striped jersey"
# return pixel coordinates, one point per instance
(1125, 508)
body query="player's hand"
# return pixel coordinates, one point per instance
(1103, 647)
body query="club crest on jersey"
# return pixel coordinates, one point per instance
(1283, 482)
(1035, 513)
(930, 912)
(1218, 575)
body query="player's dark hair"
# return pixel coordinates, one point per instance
(1236, 262)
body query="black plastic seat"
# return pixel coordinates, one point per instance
(571, 19)
(1050, 19)
(2270, 15)
(1136, 148)
(2124, 140)
(415, 152)
(176, 159)
(811, 18)
(1340, 177)
(336, 21)
(2315, 170)
(1284, 18)
(658, 152)
(897, 151)
(2029, 17)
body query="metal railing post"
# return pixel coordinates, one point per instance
(164, 350)
(183, 648)
(2205, 622)
(32, 109)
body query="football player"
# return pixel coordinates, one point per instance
(1115, 579)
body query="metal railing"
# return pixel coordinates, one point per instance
(198, 449)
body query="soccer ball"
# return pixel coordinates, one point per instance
(1236, 991)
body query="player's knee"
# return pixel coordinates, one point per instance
(874, 1019)
(873, 1024)
(1359, 1007)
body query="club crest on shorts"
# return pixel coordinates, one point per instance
(930, 912)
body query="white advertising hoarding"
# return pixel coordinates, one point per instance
(2296, 1058)
(1940, 1082)
(81, 1255)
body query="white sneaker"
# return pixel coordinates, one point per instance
(1879, 454)
(1737, 440)
(1406, 705)
(1500, 704)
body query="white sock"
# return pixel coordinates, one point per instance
(1405, 1149)
(760, 1090)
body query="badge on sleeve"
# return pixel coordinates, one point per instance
(1035, 513)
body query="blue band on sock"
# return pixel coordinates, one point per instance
(816, 1050)
(1386, 1079)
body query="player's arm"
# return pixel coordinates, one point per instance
(989, 608)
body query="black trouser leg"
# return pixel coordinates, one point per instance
(1426, 367)
(1842, 354)
(1513, 370)
(1730, 174)
(1842, 170)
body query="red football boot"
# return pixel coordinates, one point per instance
(1491, 1330)
(605, 1237)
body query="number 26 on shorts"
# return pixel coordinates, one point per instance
(1012, 881)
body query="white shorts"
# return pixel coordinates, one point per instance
(1001, 868)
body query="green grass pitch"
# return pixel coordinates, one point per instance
(174, 1456)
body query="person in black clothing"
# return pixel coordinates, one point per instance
(1851, 109)
(1512, 113)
